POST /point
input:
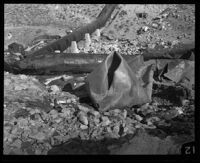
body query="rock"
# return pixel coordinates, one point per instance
(52, 142)
(139, 118)
(125, 114)
(149, 126)
(40, 136)
(19, 87)
(155, 25)
(83, 118)
(57, 51)
(145, 106)
(58, 120)
(83, 108)
(151, 46)
(29, 91)
(105, 121)
(38, 152)
(61, 101)
(16, 48)
(139, 125)
(125, 129)
(95, 113)
(116, 129)
(54, 114)
(9, 36)
(83, 127)
(68, 32)
(179, 110)
(66, 112)
(106, 113)
(145, 28)
(17, 143)
(175, 42)
(185, 102)
(23, 77)
(68, 101)
(149, 122)
(96, 120)
(55, 89)
(73, 100)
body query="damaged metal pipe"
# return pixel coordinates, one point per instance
(78, 62)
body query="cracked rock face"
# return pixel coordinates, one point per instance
(25, 89)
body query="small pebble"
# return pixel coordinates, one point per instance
(125, 129)
(95, 113)
(58, 120)
(139, 118)
(106, 113)
(52, 141)
(83, 108)
(96, 120)
(179, 110)
(149, 122)
(83, 127)
(61, 101)
(125, 114)
(54, 88)
(66, 112)
(105, 121)
(73, 100)
(57, 51)
(54, 114)
(23, 77)
(18, 88)
(138, 125)
(116, 111)
(145, 28)
(9, 36)
(83, 118)
(32, 111)
(38, 152)
(155, 25)
(185, 102)
(68, 101)
(116, 129)
(152, 46)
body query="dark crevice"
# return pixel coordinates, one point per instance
(114, 65)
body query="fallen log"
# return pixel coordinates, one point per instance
(78, 34)
(52, 63)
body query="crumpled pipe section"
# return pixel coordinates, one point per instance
(179, 71)
(115, 84)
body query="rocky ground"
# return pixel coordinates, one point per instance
(40, 117)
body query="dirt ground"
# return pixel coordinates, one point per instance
(41, 118)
